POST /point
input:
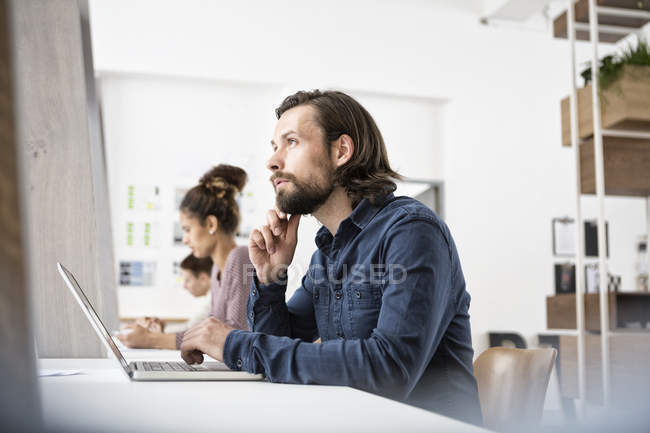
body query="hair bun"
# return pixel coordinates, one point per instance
(224, 179)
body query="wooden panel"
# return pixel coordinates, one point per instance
(581, 14)
(627, 167)
(629, 358)
(19, 409)
(561, 311)
(626, 310)
(105, 277)
(624, 105)
(66, 201)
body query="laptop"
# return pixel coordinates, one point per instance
(140, 370)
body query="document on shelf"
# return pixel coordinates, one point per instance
(564, 237)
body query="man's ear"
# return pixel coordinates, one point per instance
(212, 224)
(342, 150)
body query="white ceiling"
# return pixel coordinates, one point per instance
(507, 10)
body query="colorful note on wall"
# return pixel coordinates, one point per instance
(137, 273)
(142, 234)
(143, 197)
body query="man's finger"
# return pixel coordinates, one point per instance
(186, 352)
(258, 240)
(190, 353)
(268, 239)
(192, 356)
(197, 357)
(192, 332)
(274, 222)
(281, 214)
(196, 329)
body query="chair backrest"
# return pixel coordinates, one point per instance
(512, 385)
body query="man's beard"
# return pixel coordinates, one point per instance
(307, 196)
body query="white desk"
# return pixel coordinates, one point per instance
(102, 398)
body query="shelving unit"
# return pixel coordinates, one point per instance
(629, 311)
(623, 158)
(616, 19)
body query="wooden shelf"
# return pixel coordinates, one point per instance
(624, 310)
(581, 9)
(623, 105)
(627, 167)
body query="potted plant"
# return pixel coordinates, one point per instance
(624, 86)
(624, 91)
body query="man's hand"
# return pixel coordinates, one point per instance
(207, 337)
(271, 247)
(139, 337)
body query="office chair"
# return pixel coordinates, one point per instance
(512, 386)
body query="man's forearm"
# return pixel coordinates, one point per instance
(268, 312)
(262, 317)
(373, 364)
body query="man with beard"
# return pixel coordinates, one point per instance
(384, 292)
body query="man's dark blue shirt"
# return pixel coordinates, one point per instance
(386, 295)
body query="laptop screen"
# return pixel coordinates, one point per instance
(92, 316)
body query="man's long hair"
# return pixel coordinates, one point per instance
(367, 174)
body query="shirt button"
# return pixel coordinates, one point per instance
(239, 363)
(254, 292)
(316, 295)
(358, 294)
(250, 315)
(338, 294)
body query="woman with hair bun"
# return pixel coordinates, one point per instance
(209, 217)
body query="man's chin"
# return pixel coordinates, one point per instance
(294, 200)
(287, 209)
(287, 205)
(297, 209)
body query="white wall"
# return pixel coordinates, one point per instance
(413, 131)
(165, 132)
(506, 174)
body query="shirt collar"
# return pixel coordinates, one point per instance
(360, 217)
(366, 211)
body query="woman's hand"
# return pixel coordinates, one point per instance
(139, 337)
(153, 324)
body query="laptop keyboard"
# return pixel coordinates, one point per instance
(168, 366)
